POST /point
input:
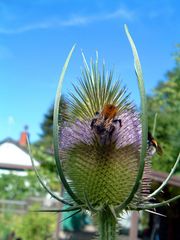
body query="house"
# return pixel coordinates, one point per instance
(14, 155)
(14, 159)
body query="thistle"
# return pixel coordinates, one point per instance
(101, 152)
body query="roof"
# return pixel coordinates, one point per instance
(14, 156)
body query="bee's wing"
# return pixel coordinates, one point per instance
(159, 150)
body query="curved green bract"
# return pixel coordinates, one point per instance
(90, 207)
(64, 219)
(155, 205)
(60, 210)
(42, 182)
(144, 121)
(166, 180)
(154, 124)
(56, 130)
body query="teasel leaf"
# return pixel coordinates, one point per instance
(154, 124)
(56, 130)
(60, 210)
(159, 189)
(64, 219)
(156, 205)
(144, 121)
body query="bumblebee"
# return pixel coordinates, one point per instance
(105, 123)
(153, 143)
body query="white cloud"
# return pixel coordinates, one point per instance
(121, 13)
(70, 22)
(25, 28)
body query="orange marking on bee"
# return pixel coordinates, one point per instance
(109, 111)
(154, 142)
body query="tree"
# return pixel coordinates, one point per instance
(165, 101)
(47, 124)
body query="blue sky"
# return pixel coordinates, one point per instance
(36, 36)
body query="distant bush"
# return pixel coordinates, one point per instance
(32, 225)
(36, 225)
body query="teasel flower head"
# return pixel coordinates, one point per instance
(102, 152)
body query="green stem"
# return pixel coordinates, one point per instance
(107, 225)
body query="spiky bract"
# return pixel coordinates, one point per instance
(95, 89)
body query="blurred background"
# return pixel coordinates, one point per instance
(35, 38)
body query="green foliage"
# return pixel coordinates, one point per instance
(5, 224)
(34, 225)
(19, 187)
(165, 101)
